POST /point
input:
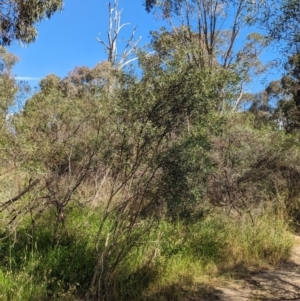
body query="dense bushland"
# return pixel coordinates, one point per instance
(149, 182)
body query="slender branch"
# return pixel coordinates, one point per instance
(4, 205)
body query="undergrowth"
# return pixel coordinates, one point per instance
(172, 258)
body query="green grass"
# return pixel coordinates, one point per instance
(21, 285)
(51, 268)
(166, 262)
(216, 247)
(266, 241)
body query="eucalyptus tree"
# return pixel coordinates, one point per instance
(19, 17)
(222, 33)
(281, 19)
(9, 89)
(284, 96)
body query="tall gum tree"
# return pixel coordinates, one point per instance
(222, 33)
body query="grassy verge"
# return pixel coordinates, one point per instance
(166, 263)
(215, 247)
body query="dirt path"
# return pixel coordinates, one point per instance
(279, 284)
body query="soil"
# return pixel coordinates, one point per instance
(282, 283)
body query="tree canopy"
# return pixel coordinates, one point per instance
(19, 17)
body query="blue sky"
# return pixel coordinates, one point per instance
(68, 39)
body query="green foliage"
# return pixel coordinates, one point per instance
(8, 94)
(118, 175)
(258, 242)
(18, 18)
(21, 286)
(8, 85)
(288, 95)
(46, 267)
(281, 19)
(34, 265)
(185, 170)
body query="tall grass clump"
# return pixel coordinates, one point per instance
(21, 286)
(168, 261)
(261, 241)
(38, 265)
(210, 248)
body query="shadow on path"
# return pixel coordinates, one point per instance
(282, 283)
